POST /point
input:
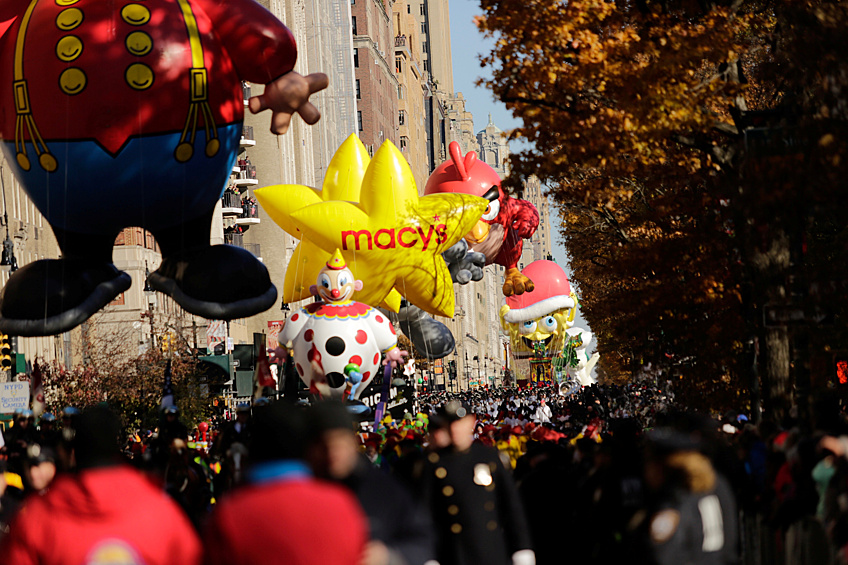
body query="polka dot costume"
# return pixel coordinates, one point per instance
(338, 334)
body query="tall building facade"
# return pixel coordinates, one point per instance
(493, 148)
(433, 17)
(377, 86)
(411, 89)
(461, 123)
(28, 238)
(301, 156)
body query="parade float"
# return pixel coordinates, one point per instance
(538, 322)
(115, 117)
(391, 238)
(506, 222)
(337, 343)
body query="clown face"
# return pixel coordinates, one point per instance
(336, 285)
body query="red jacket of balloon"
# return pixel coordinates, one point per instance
(110, 70)
(105, 515)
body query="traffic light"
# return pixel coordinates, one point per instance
(7, 357)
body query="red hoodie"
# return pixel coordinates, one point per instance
(103, 515)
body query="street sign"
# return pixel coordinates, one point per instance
(14, 396)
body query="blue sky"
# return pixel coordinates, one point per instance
(467, 44)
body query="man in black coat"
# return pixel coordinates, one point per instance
(400, 530)
(472, 498)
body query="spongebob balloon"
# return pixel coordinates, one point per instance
(537, 321)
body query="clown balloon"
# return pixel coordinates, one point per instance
(338, 342)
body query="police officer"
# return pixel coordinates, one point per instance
(691, 517)
(472, 498)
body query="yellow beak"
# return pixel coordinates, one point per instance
(478, 233)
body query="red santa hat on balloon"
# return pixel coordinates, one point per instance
(552, 293)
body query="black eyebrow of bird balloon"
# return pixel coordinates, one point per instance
(492, 194)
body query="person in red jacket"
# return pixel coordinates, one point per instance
(283, 515)
(103, 512)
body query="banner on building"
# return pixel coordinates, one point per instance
(274, 329)
(216, 333)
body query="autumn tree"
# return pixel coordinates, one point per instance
(658, 127)
(109, 371)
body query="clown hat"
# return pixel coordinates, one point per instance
(337, 262)
(552, 293)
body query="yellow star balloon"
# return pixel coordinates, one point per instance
(342, 181)
(393, 238)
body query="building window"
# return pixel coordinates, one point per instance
(399, 64)
(423, 27)
(358, 92)
(402, 117)
(409, 8)
(353, 24)
(359, 119)
(424, 47)
(356, 57)
(426, 65)
(423, 12)
(404, 142)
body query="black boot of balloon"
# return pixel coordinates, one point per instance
(430, 337)
(52, 296)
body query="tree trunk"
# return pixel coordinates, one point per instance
(771, 266)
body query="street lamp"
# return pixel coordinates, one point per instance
(150, 293)
(7, 259)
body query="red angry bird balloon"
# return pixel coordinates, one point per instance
(505, 223)
(129, 113)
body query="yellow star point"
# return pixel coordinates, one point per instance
(393, 238)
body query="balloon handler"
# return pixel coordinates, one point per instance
(130, 115)
(337, 342)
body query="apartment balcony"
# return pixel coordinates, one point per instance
(247, 139)
(245, 87)
(245, 176)
(249, 215)
(400, 41)
(231, 204)
(237, 240)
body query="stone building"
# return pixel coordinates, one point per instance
(377, 86)
(412, 87)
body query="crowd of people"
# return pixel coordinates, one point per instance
(502, 475)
